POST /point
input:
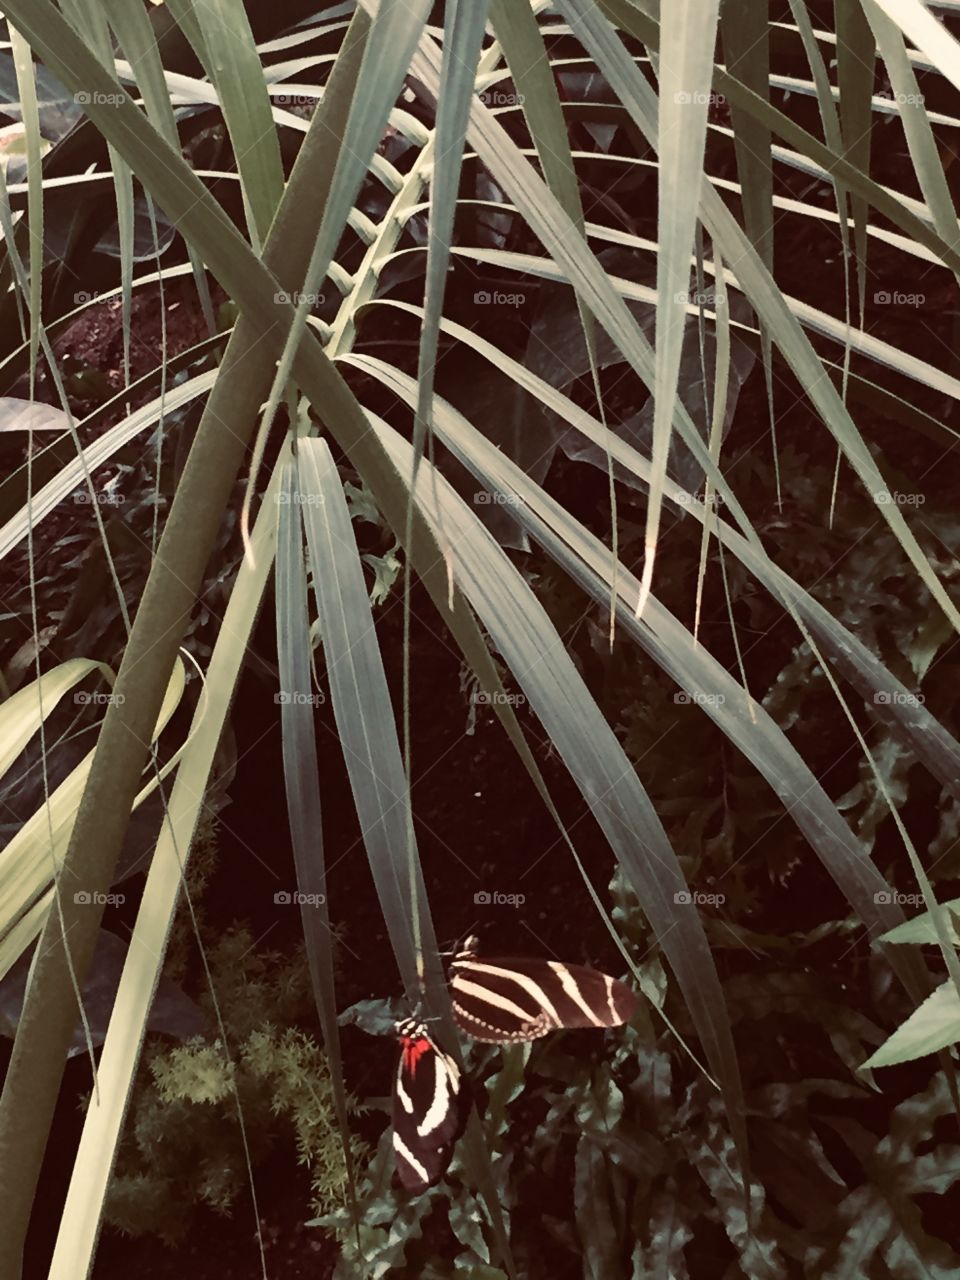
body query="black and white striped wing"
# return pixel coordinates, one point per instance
(428, 1109)
(500, 1001)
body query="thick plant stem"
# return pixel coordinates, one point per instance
(50, 1012)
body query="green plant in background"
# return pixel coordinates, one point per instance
(184, 1147)
(936, 1023)
(451, 142)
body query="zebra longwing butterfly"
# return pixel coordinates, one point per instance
(428, 1110)
(499, 1001)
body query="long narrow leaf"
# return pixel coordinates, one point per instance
(302, 776)
(362, 709)
(920, 26)
(27, 88)
(82, 1212)
(855, 64)
(22, 713)
(235, 70)
(464, 34)
(824, 160)
(136, 36)
(34, 856)
(88, 16)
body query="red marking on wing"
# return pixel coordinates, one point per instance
(413, 1051)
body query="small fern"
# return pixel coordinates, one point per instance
(293, 1067)
(182, 1148)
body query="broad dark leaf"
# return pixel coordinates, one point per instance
(173, 1012)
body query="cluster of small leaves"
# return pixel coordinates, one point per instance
(293, 1068)
(183, 1147)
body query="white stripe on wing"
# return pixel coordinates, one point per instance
(404, 1152)
(612, 985)
(405, 1100)
(571, 988)
(502, 1002)
(445, 1079)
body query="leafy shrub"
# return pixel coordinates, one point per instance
(183, 1146)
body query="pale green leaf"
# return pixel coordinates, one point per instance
(933, 1026)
